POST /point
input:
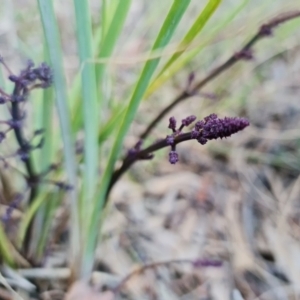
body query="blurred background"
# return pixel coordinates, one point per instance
(234, 201)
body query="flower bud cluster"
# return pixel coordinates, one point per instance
(173, 155)
(210, 128)
(30, 78)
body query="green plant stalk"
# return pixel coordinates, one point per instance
(168, 28)
(111, 35)
(188, 55)
(5, 248)
(90, 108)
(193, 32)
(54, 49)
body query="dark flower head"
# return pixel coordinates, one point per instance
(172, 123)
(219, 128)
(30, 74)
(173, 157)
(188, 121)
(44, 74)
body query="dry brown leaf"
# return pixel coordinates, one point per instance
(81, 290)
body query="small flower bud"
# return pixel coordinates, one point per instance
(170, 139)
(199, 125)
(210, 117)
(265, 30)
(194, 134)
(202, 140)
(13, 78)
(172, 123)
(188, 121)
(173, 157)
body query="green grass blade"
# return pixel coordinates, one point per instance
(45, 159)
(90, 105)
(193, 32)
(5, 247)
(108, 10)
(167, 30)
(189, 55)
(111, 124)
(111, 35)
(54, 48)
(113, 17)
(54, 199)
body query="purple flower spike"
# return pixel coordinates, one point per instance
(173, 157)
(211, 117)
(195, 134)
(199, 125)
(172, 123)
(220, 128)
(188, 121)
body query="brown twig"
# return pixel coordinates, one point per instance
(244, 53)
(142, 269)
(143, 154)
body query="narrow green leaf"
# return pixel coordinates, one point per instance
(190, 54)
(168, 28)
(90, 105)
(52, 200)
(53, 44)
(5, 247)
(111, 35)
(108, 11)
(193, 32)
(113, 17)
(44, 160)
(111, 124)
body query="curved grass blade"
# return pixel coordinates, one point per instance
(54, 49)
(113, 18)
(190, 54)
(111, 124)
(5, 247)
(111, 35)
(167, 30)
(44, 160)
(193, 32)
(90, 105)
